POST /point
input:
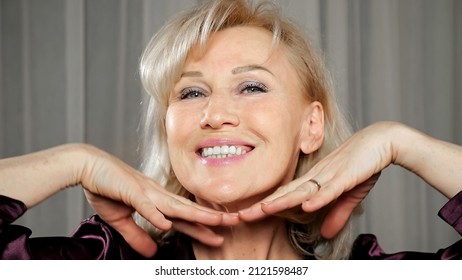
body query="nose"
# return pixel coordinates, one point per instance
(220, 111)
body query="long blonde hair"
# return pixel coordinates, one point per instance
(161, 65)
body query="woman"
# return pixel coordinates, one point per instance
(275, 73)
(219, 140)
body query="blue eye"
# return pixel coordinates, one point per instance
(253, 88)
(191, 93)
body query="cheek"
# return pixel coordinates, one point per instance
(275, 123)
(181, 124)
(176, 124)
(170, 125)
(175, 131)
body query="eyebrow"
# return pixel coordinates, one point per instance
(237, 70)
(248, 68)
(191, 74)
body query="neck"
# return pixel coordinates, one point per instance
(265, 239)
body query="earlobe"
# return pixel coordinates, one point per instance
(312, 135)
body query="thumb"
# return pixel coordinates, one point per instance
(337, 217)
(341, 211)
(136, 237)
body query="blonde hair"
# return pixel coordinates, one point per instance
(161, 65)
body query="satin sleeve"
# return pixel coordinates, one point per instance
(93, 239)
(366, 246)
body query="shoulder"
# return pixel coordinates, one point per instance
(109, 244)
(106, 242)
(367, 247)
(451, 212)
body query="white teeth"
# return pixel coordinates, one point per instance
(222, 151)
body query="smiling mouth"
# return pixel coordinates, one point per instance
(224, 151)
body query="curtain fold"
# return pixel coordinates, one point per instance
(68, 73)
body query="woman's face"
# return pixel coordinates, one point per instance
(236, 119)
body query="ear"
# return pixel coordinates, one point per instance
(312, 135)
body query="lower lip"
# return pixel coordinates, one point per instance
(223, 161)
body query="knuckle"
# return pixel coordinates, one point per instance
(173, 203)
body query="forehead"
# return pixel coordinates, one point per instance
(240, 47)
(244, 43)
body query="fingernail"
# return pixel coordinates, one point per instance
(266, 203)
(220, 239)
(244, 211)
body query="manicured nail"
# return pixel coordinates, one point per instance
(245, 212)
(266, 203)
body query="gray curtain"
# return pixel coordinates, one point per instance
(68, 73)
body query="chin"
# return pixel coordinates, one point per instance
(232, 199)
(224, 194)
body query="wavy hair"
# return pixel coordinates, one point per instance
(160, 68)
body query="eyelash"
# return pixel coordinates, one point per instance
(247, 88)
(188, 92)
(253, 88)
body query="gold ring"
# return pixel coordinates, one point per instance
(316, 183)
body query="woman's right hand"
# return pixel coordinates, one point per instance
(114, 189)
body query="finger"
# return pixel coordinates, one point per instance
(252, 213)
(153, 215)
(199, 232)
(157, 206)
(321, 199)
(331, 189)
(302, 193)
(343, 208)
(230, 219)
(143, 205)
(227, 219)
(255, 212)
(337, 217)
(136, 237)
(175, 208)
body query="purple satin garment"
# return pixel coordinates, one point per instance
(94, 239)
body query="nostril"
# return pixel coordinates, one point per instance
(219, 112)
(217, 120)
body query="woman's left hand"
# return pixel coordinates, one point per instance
(345, 176)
